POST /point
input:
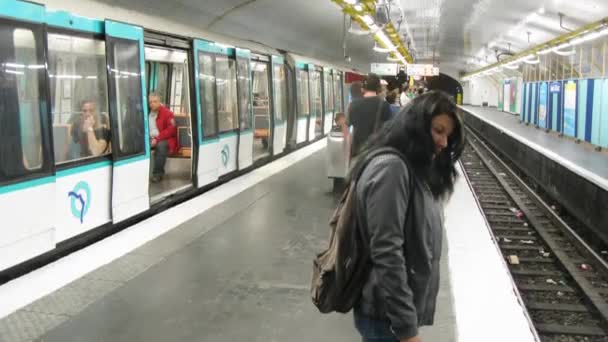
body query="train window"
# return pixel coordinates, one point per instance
(162, 81)
(206, 80)
(329, 93)
(244, 84)
(226, 93)
(315, 93)
(180, 92)
(338, 92)
(302, 85)
(79, 97)
(21, 100)
(126, 103)
(280, 93)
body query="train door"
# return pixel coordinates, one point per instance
(227, 108)
(208, 163)
(279, 105)
(129, 118)
(262, 119)
(315, 129)
(82, 127)
(328, 97)
(171, 134)
(303, 103)
(245, 138)
(26, 161)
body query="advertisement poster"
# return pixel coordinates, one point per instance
(513, 97)
(570, 108)
(542, 105)
(500, 96)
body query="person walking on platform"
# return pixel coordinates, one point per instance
(398, 207)
(367, 114)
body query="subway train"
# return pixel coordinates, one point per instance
(75, 150)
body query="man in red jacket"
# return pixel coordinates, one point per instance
(163, 135)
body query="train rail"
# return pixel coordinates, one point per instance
(561, 279)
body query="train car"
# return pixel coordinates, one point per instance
(77, 154)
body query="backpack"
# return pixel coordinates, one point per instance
(341, 271)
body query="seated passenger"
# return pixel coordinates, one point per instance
(163, 135)
(90, 133)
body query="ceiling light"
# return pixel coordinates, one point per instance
(358, 8)
(557, 51)
(378, 48)
(351, 2)
(385, 41)
(541, 10)
(367, 19)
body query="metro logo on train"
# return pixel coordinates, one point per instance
(80, 200)
(225, 155)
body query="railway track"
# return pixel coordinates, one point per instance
(561, 279)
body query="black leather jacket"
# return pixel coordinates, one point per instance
(405, 234)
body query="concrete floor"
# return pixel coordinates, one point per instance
(237, 272)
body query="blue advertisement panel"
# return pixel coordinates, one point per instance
(569, 128)
(542, 105)
(555, 105)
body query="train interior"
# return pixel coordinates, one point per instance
(167, 74)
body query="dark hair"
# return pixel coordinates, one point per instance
(391, 97)
(355, 90)
(420, 91)
(410, 133)
(372, 83)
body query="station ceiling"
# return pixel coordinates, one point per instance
(457, 34)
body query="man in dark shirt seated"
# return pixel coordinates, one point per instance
(367, 114)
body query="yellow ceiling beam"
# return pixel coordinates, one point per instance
(546, 45)
(369, 8)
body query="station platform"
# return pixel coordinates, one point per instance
(235, 263)
(580, 158)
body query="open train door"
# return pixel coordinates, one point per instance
(129, 115)
(279, 97)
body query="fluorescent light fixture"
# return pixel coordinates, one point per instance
(358, 8)
(36, 66)
(91, 77)
(385, 41)
(14, 72)
(13, 65)
(351, 2)
(541, 10)
(367, 19)
(378, 48)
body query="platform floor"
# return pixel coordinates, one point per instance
(580, 158)
(241, 271)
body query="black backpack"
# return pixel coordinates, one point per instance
(340, 272)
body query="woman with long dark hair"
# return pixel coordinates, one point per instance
(399, 207)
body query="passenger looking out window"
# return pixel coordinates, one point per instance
(163, 135)
(89, 132)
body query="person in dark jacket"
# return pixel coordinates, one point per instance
(399, 205)
(163, 135)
